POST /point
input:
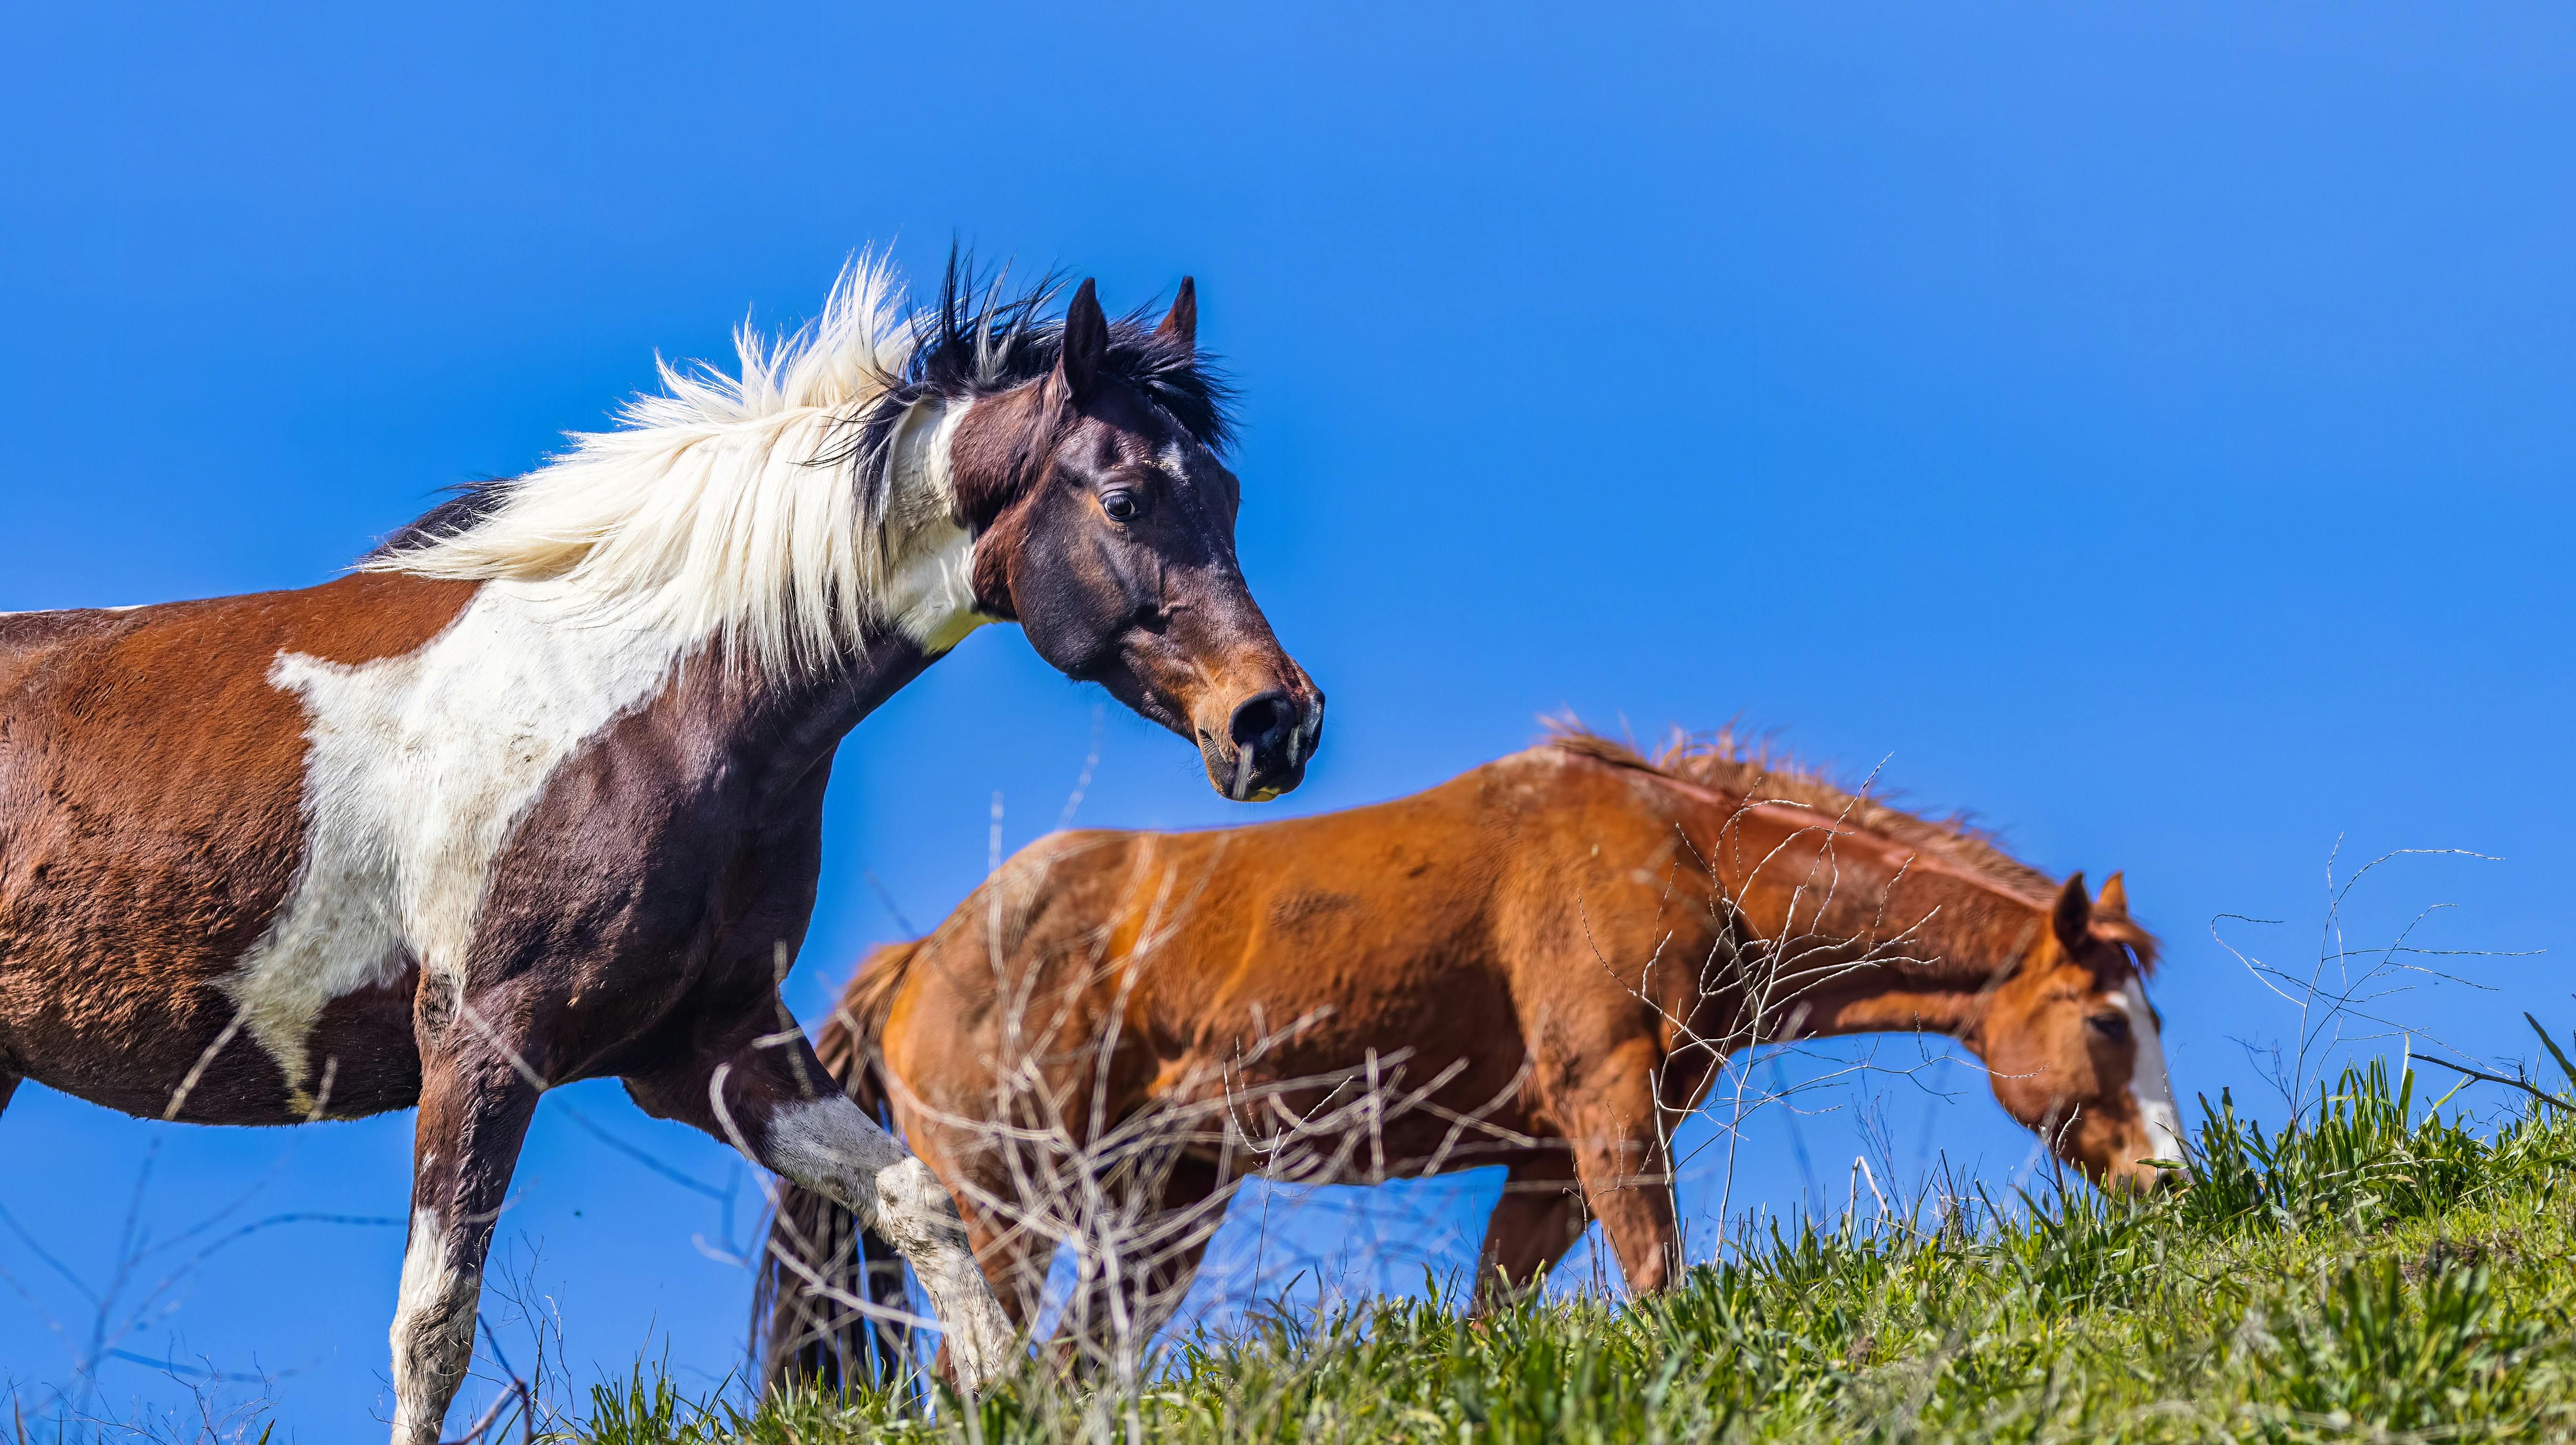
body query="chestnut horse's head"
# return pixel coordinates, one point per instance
(2073, 1045)
(1087, 463)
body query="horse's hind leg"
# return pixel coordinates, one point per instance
(475, 1104)
(8, 1086)
(1538, 1218)
(1128, 1300)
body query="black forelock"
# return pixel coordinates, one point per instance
(984, 338)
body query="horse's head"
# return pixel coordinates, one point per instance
(1104, 525)
(2073, 1045)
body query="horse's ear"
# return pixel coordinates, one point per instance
(2073, 917)
(1086, 345)
(2113, 905)
(1181, 323)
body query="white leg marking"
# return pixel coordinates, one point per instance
(2149, 1087)
(828, 1144)
(433, 1333)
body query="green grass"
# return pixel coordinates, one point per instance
(2374, 1272)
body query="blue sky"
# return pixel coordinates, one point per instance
(2148, 427)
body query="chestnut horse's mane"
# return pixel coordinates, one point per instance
(1728, 764)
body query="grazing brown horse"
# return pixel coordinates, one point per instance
(536, 795)
(1540, 964)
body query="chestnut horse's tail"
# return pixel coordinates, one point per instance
(816, 1259)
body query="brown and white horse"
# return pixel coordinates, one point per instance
(1541, 964)
(536, 795)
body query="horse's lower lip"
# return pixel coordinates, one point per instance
(1237, 782)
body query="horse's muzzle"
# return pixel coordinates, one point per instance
(1267, 740)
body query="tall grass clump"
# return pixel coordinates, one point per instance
(2374, 1270)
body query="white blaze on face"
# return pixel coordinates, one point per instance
(2149, 1087)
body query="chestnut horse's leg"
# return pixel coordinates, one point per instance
(1538, 1218)
(475, 1103)
(773, 1099)
(1627, 1175)
(1156, 1262)
(8, 1086)
(1014, 1258)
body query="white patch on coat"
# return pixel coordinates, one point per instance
(416, 769)
(821, 1143)
(830, 1146)
(930, 592)
(433, 1332)
(2149, 1087)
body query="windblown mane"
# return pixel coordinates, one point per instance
(984, 339)
(766, 509)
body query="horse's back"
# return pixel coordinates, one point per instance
(1439, 872)
(151, 822)
(28, 639)
(1429, 924)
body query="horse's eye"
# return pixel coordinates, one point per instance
(1121, 506)
(2111, 1025)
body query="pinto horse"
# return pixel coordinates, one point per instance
(536, 795)
(1540, 964)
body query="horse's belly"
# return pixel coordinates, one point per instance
(137, 1046)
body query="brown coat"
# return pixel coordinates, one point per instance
(1540, 964)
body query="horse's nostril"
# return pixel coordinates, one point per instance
(1262, 721)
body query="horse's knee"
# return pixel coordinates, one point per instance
(910, 1199)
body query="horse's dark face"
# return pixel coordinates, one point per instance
(1116, 556)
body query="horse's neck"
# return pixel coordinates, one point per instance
(789, 728)
(1842, 931)
(538, 652)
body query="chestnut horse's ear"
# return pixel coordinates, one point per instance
(1181, 323)
(2073, 918)
(2113, 905)
(1086, 346)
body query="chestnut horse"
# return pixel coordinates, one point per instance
(536, 795)
(1540, 964)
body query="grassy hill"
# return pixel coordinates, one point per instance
(2375, 1272)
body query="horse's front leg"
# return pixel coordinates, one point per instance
(773, 1099)
(1535, 1222)
(476, 1097)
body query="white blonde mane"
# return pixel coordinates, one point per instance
(734, 508)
